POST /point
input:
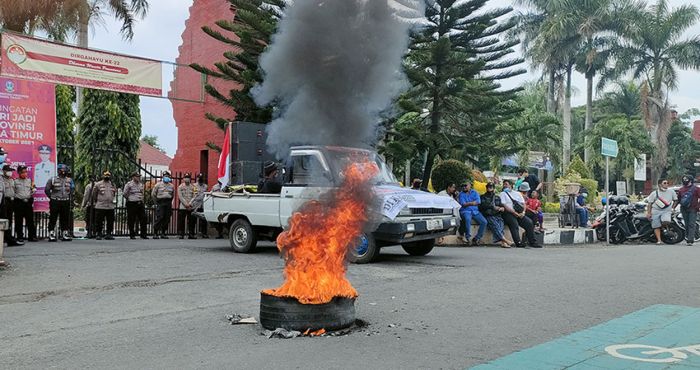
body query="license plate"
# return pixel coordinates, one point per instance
(434, 224)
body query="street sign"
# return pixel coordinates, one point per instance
(608, 147)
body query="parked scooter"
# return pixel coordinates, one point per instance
(678, 219)
(629, 224)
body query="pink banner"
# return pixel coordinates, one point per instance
(28, 131)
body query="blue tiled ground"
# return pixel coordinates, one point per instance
(661, 326)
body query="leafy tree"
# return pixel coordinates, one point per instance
(108, 134)
(152, 140)
(450, 171)
(454, 65)
(247, 34)
(653, 51)
(65, 123)
(626, 100)
(684, 151)
(579, 166)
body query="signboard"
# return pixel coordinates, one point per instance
(28, 131)
(538, 160)
(640, 168)
(38, 60)
(621, 188)
(608, 147)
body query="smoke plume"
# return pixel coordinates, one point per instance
(332, 68)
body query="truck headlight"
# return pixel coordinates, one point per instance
(453, 222)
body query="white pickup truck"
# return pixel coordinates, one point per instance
(413, 219)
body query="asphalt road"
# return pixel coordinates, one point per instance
(162, 304)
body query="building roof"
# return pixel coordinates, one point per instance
(152, 156)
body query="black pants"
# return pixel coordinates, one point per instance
(203, 226)
(164, 210)
(59, 209)
(514, 223)
(136, 212)
(90, 221)
(183, 214)
(7, 211)
(689, 219)
(100, 216)
(24, 214)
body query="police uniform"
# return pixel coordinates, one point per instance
(163, 194)
(45, 170)
(8, 203)
(88, 206)
(185, 196)
(103, 195)
(60, 189)
(24, 206)
(135, 208)
(198, 204)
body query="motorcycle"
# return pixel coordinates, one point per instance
(630, 224)
(678, 219)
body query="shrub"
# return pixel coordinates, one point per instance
(551, 207)
(479, 176)
(449, 171)
(590, 184)
(577, 165)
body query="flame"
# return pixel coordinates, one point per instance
(316, 333)
(319, 237)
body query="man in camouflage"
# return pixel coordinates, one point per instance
(24, 205)
(163, 193)
(103, 195)
(186, 194)
(135, 208)
(60, 190)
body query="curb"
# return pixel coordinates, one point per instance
(550, 237)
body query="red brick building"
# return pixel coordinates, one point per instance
(194, 129)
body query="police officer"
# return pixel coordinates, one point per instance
(185, 194)
(135, 208)
(24, 205)
(103, 195)
(88, 207)
(163, 193)
(8, 203)
(60, 190)
(44, 170)
(198, 204)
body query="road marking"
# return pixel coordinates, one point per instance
(657, 337)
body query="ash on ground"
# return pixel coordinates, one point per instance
(360, 326)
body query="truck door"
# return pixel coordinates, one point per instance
(309, 179)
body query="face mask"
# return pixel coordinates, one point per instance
(585, 195)
(201, 181)
(167, 179)
(507, 190)
(686, 182)
(187, 181)
(107, 178)
(8, 173)
(3, 157)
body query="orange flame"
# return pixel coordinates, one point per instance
(319, 238)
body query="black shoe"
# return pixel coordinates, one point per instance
(154, 237)
(475, 242)
(536, 246)
(66, 237)
(99, 237)
(145, 237)
(52, 237)
(220, 237)
(191, 237)
(205, 236)
(132, 237)
(20, 240)
(109, 237)
(181, 237)
(164, 236)
(521, 245)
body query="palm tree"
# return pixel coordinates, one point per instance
(653, 50)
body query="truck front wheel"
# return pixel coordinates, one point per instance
(242, 236)
(365, 251)
(419, 248)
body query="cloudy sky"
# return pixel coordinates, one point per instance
(159, 35)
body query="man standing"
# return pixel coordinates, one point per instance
(24, 205)
(163, 193)
(103, 195)
(185, 195)
(8, 203)
(135, 208)
(60, 189)
(198, 204)
(88, 207)
(659, 207)
(469, 199)
(688, 197)
(270, 184)
(531, 179)
(44, 170)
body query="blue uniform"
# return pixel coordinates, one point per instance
(472, 212)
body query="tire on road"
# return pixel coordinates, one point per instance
(288, 313)
(242, 236)
(366, 250)
(419, 248)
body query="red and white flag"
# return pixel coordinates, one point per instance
(225, 159)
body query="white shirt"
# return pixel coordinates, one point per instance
(508, 203)
(43, 172)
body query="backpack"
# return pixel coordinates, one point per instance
(687, 198)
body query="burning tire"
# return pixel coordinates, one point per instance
(366, 250)
(288, 313)
(242, 236)
(419, 248)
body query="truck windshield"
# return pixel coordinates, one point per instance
(340, 158)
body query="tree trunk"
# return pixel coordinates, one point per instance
(589, 116)
(566, 136)
(83, 42)
(551, 94)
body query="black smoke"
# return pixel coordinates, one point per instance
(332, 68)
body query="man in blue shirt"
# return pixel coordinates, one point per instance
(469, 199)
